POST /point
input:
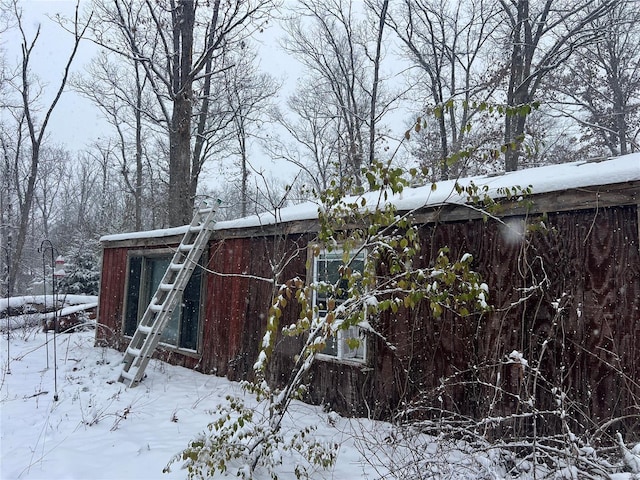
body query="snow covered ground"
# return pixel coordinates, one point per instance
(98, 429)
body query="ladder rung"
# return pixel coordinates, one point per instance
(186, 248)
(166, 286)
(145, 329)
(128, 375)
(135, 352)
(204, 211)
(176, 266)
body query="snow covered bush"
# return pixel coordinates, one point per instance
(242, 440)
(391, 277)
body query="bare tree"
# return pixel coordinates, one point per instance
(541, 36)
(5, 24)
(382, 11)
(448, 46)
(7, 202)
(343, 59)
(119, 89)
(54, 164)
(314, 141)
(249, 93)
(7, 194)
(89, 203)
(177, 44)
(34, 128)
(602, 80)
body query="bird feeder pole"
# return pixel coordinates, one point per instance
(44, 248)
(7, 250)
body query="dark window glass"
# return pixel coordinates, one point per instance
(145, 274)
(191, 311)
(133, 296)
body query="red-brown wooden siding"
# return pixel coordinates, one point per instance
(590, 255)
(111, 304)
(236, 297)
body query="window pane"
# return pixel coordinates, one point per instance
(170, 332)
(133, 296)
(156, 268)
(191, 311)
(331, 347)
(145, 274)
(327, 269)
(355, 353)
(155, 271)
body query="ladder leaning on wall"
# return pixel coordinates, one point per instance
(169, 291)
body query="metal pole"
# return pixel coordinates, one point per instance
(55, 326)
(55, 306)
(44, 294)
(8, 259)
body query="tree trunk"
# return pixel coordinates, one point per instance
(138, 116)
(513, 127)
(619, 103)
(197, 159)
(25, 216)
(245, 175)
(179, 201)
(376, 79)
(36, 135)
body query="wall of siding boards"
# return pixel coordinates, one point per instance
(587, 260)
(113, 277)
(592, 263)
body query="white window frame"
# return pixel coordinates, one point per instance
(342, 353)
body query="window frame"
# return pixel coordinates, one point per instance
(143, 295)
(341, 348)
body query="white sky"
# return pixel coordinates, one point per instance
(77, 123)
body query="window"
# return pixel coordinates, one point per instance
(326, 268)
(145, 273)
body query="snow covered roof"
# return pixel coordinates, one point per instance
(159, 233)
(543, 180)
(546, 179)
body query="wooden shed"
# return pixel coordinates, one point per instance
(566, 297)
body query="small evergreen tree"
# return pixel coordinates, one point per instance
(82, 269)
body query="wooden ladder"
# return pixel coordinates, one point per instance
(168, 294)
